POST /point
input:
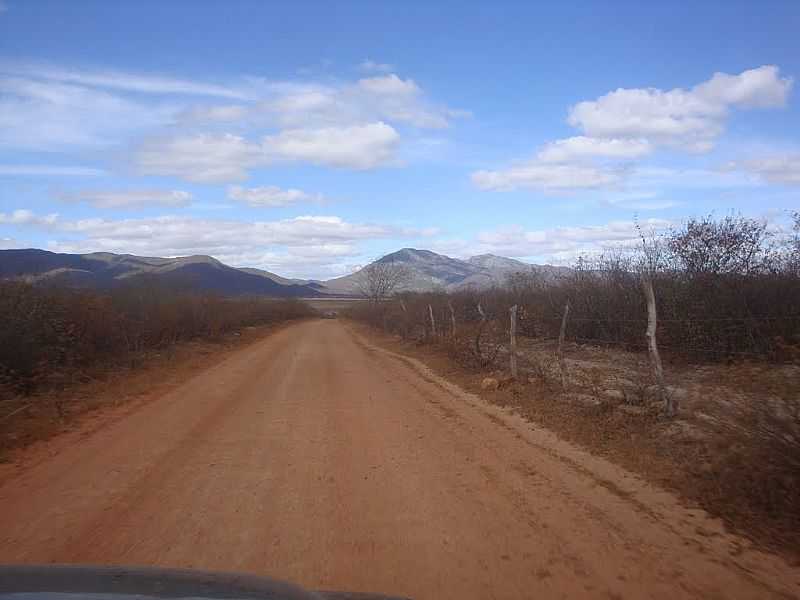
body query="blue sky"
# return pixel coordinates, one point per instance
(309, 138)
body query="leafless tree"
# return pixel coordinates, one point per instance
(732, 245)
(381, 280)
(794, 245)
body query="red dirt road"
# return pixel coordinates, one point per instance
(314, 457)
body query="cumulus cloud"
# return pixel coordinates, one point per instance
(129, 198)
(173, 235)
(380, 98)
(271, 196)
(357, 146)
(303, 245)
(782, 169)
(691, 119)
(389, 85)
(27, 217)
(755, 88)
(206, 132)
(566, 243)
(628, 124)
(546, 177)
(581, 147)
(201, 158)
(223, 158)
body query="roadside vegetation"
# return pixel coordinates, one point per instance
(719, 419)
(53, 340)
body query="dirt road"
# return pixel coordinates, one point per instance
(314, 457)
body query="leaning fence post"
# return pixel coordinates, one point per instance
(562, 365)
(433, 322)
(513, 345)
(670, 403)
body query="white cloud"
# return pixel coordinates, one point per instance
(48, 115)
(271, 196)
(340, 124)
(304, 245)
(44, 107)
(223, 158)
(370, 66)
(48, 171)
(755, 88)
(546, 177)
(173, 235)
(782, 169)
(565, 243)
(357, 146)
(389, 85)
(628, 124)
(27, 217)
(380, 98)
(223, 113)
(691, 178)
(120, 80)
(640, 200)
(201, 158)
(581, 147)
(129, 198)
(7, 243)
(690, 119)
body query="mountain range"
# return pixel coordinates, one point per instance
(427, 271)
(431, 271)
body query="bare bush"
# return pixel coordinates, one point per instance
(381, 280)
(732, 245)
(49, 336)
(757, 454)
(722, 290)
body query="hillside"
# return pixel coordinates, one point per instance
(99, 270)
(104, 270)
(430, 270)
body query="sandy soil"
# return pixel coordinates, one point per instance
(315, 457)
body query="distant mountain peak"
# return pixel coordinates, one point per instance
(409, 254)
(430, 271)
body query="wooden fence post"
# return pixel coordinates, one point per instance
(433, 322)
(405, 319)
(562, 365)
(513, 344)
(670, 403)
(479, 332)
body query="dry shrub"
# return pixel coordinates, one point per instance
(755, 461)
(50, 336)
(475, 346)
(543, 368)
(725, 288)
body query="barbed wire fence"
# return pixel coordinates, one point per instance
(518, 338)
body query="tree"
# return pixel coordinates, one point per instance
(731, 246)
(380, 280)
(794, 244)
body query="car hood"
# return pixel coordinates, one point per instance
(70, 582)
